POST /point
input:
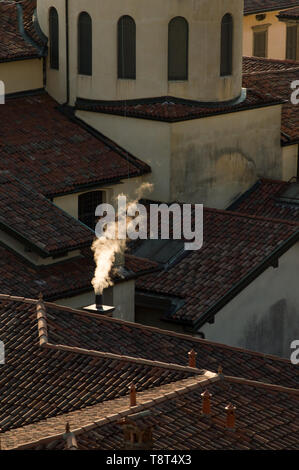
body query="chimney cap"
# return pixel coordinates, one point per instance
(206, 394)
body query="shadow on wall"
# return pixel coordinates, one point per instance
(274, 332)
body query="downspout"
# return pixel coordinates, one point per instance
(67, 52)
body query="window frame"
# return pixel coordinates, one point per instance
(173, 77)
(89, 199)
(263, 28)
(227, 53)
(122, 61)
(294, 25)
(53, 45)
(85, 68)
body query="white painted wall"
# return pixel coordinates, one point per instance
(264, 317)
(152, 18)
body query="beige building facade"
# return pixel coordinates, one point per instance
(152, 19)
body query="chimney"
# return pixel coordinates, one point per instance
(99, 307)
(133, 400)
(70, 438)
(192, 358)
(138, 434)
(206, 403)
(230, 417)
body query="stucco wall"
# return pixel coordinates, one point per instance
(264, 317)
(152, 18)
(147, 140)
(22, 75)
(210, 161)
(214, 160)
(69, 202)
(56, 79)
(122, 297)
(276, 35)
(289, 162)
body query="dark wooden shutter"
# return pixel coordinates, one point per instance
(85, 44)
(126, 48)
(260, 43)
(178, 32)
(88, 203)
(292, 37)
(54, 38)
(226, 61)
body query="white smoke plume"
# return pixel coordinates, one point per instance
(107, 247)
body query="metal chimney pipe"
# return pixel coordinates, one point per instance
(99, 301)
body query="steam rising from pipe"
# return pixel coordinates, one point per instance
(106, 248)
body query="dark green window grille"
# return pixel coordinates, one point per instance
(126, 48)
(226, 61)
(178, 33)
(84, 44)
(54, 38)
(88, 203)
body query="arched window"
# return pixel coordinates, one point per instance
(178, 32)
(226, 64)
(84, 44)
(54, 38)
(87, 204)
(126, 33)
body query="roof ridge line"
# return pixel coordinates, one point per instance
(183, 386)
(42, 325)
(256, 383)
(120, 357)
(190, 338)
(263, 218)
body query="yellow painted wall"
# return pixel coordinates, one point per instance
(276, 35)
(22, 75)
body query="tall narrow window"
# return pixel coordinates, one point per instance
(292, 42)
(54, 38)
(84, 44)
(87, 204)
(178, 32)
(260, 39)
(126, 47)
(226, 64)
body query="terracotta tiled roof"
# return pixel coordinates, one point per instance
(47, 150)
(13, 45)
(258, 6)
(46, 381)
(235, 245)
(138, 265)
(60, 361)
(266, 418)
(293, 13)
(171, 109)
(27, 214)
(260, 65)
(263, 199)
(62, 279)
(270, 76)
